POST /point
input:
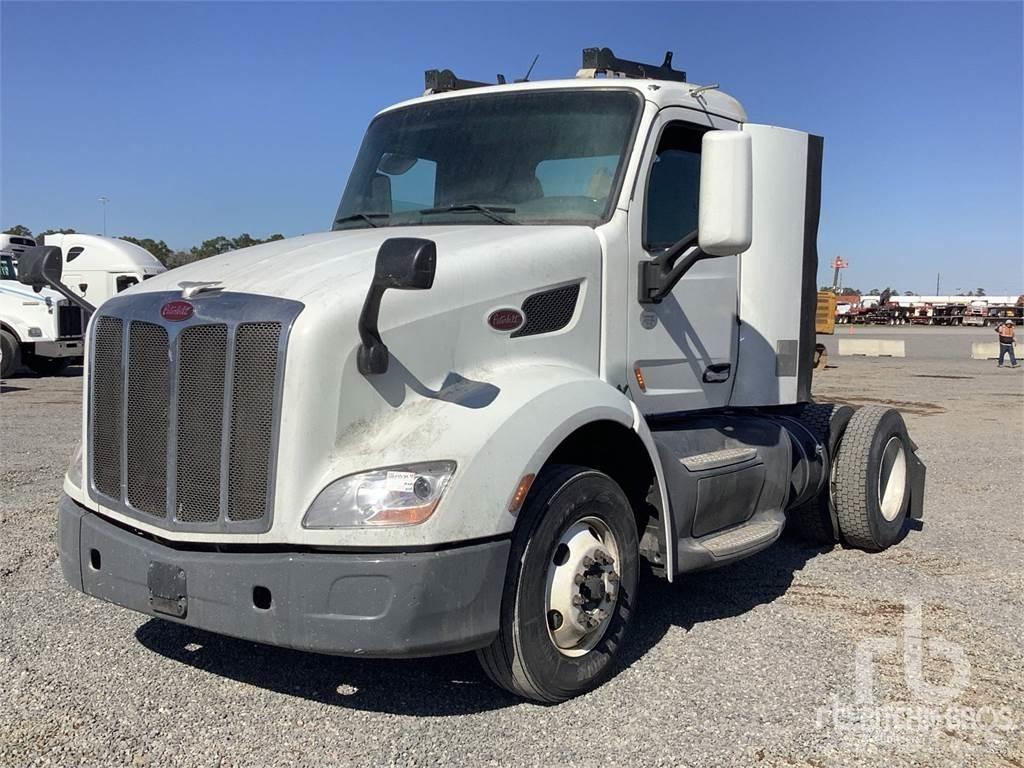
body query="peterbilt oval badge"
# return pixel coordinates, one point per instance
(177, 310)
(505, 319)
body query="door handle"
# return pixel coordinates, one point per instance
(716, 373)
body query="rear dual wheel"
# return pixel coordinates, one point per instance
(570, 589)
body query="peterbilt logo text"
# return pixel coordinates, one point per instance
(505, 319)
(175, 311)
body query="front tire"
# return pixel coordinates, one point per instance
(871, 479)
(10, 354)
(570, 590)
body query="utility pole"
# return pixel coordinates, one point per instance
(938, 278)
(103, 201)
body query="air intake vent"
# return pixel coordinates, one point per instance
(107, 378)
(548, 311)
(202, 358)
(148, 388)
(252, 419)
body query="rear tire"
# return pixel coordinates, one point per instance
(871, 479)
(11, 351)
(812, 521)
(524, 658)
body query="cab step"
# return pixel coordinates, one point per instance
(718, 459)
(742, 538)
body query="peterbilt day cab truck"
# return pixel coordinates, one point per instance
(557, 329)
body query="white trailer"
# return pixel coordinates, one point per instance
(556, 328)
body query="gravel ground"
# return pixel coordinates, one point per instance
(745, 665)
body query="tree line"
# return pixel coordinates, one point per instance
(169, 257)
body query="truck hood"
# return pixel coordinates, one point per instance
(15, 291)
(302, 266)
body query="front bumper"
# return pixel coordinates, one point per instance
(66, 348)
(365, 604)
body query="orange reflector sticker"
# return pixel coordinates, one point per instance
(520, 495)
(640, 379)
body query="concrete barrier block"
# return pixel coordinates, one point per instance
(873, 347)
(985, 350)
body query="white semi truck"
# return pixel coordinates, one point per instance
(94, 268)
(557, 328)
(97, 268)
(42, 330)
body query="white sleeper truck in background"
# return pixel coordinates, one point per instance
(556, 327)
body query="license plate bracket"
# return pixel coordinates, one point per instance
(168, 589)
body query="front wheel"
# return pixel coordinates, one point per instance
(570, 591)
(10, 354)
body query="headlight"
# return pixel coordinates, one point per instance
(394, 496)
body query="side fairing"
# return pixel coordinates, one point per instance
(778, 271)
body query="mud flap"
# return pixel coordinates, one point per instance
(917, 472)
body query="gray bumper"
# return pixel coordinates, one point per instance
(394, 604)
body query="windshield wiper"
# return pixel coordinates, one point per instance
(490, 211)
(367, 217)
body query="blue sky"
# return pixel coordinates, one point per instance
(202, 119)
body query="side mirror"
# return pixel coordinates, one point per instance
(41, 266)
(405, 263)
(726, 193)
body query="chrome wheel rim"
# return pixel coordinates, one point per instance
(582, 586)
(892, 479)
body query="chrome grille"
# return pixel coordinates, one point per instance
(202, 359)
(148, 392)
(252, 413)
(184, 415)
(107, 377)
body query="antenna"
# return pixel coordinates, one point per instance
(526, 77)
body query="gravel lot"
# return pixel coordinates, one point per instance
(740, 666)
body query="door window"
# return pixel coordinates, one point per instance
(673, 188)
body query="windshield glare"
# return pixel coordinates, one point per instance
(540, 157)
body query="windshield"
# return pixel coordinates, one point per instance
(7, 267)
(540, 157)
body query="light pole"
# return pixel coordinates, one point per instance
(103, 201)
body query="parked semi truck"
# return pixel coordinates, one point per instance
(557, 329)
(98, 267)
(94, 268)
(42, 331)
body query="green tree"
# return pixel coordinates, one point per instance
(20, 230)
(979, 291)
(221, 244)
(158, 248)
(874, 292)
(41, 235)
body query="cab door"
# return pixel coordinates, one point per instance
(683, 349)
